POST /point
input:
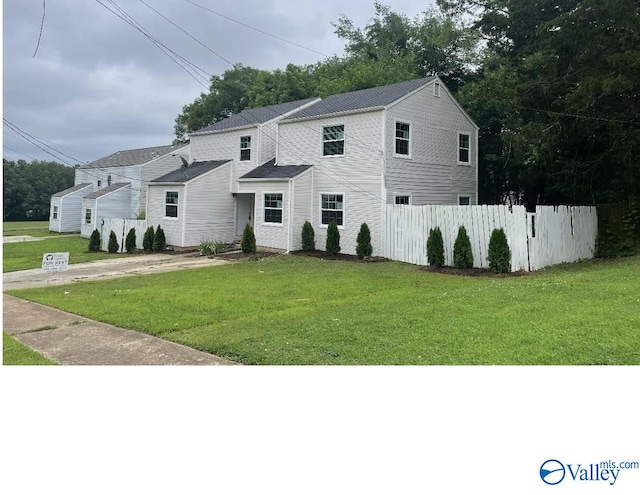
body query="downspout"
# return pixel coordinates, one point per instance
(383, 189)
(290, 219)
(184, 216)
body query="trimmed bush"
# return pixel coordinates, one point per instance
(130, 241)
(94, 241)
(435, 247)
(142, 215)
(113, 245)
(308, 238)
(159, 240)
(363, 247)
(248, 240)
(333, 239)
(462, 254)
(499, 256)
(147, 239)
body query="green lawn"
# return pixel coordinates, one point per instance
(295, 310)
(35, 229)
(26, 255)
(13, 352)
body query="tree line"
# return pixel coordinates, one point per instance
(27, 188)
(554, 86)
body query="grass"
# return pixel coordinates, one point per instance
(35, 229)
(26, 255)
(297, 310)
(13, 352)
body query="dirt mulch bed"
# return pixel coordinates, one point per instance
(239, 255)
(471, 272)
(340, 256)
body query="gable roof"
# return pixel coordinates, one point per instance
(362, 99)
(195, 169)
(253, 116)
(132, 157)
(70, 190)
(270, 170)
(107, 190)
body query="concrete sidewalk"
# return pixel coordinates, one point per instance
(71, 339)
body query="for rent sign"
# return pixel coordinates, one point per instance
(55, 262)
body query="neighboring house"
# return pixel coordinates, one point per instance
(109, 202)
(337, 159)
(65, 205)
(134, 167)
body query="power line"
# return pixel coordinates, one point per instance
(19, 152)
(30, 137)
(578, 116)
(44, 12)
(26, 137)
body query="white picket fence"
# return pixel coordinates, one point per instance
(554, 234)
(121, 227)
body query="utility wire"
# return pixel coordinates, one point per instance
(23, 133)
(44, 12)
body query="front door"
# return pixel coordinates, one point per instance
(244, 212)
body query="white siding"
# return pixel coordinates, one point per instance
(302, 207)
(268, 141)
(54, 223)
(70, 214)
(269, 234)
(357, 175)
(131, 174)
(157, 168)
(113, 205)
(431, 175)
(155, 215)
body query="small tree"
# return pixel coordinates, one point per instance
(94, 241)
(308, 237)
(333, 239)
(248, 240)
(159, 240)
(462, 254)
(363, 247)
(130, 241)
(147, 239)
(435, 247)
(499, 255)
(113, 245)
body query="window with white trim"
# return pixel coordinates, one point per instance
(403, 200)
(403, 137)
(171, 204)
(464, 200)
(245, 148)
(464, 148)
(55, 213)
(99, 183)
(436, 89)
(333, 140)
(87, 215)
(273, 208)
(332, 209)
(108, 180)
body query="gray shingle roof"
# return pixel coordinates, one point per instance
(132, 157)
(106, 190)
(253, 116)
(70, 190)
(360, 100)
(270, 170)
(195, 169)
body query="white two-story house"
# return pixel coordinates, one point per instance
(336, 159)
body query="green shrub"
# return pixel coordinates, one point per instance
(248, 240)
(499, 256)
(363, 246)
(435, 247)
(159, 240)
(207, 248)
(130, 241)
(308, 237)
(142, 215)
(94, 241)
(462, 254)
(147, 239)
(113, 246)
(333, 239)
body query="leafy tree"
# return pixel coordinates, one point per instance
(130, 241)
(435, 247)
(159, 240)
(462, 253)
(147, 239)
(363, 246)
(248, 244)
(499, 255)
(308, 237)
(94, 241)
(113, 245)
(332, 246)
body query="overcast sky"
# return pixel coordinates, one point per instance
(96, 85)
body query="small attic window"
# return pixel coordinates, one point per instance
(436, 89)
(108, 180)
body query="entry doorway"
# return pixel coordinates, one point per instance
(245, 205)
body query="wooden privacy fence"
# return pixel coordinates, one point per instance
(554, 234)
(121, 227)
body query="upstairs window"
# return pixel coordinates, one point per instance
(171, 204)
(403, 200)
(55, 212)
(273, 208)
(464, 200)
(436, 89)
(333, 140)
(99, 183)
(332, 209)
(245, 148)
(108, 180)
(403, 136)
(464, 155)
(87, 215)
